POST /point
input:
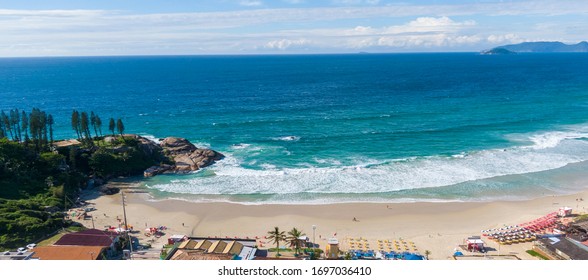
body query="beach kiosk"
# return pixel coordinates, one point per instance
(475, 244)
(564, 211)
(332, 250)
(176, 238)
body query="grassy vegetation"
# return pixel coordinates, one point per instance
(27, 220)
(37, 185)
(281, 250)
(536, 254)
(51, 240)
(581, 218)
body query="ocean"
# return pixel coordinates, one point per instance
(315, 129)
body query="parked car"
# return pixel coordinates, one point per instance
(21, 249)
(31, 246)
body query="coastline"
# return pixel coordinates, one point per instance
(437, 227)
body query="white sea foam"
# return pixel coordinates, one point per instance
(287, 138)
(240, 146)
(150, 137)
(548, 151)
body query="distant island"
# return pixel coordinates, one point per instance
(538, 47)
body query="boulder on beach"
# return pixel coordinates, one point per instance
(185, 155)
(176, 145)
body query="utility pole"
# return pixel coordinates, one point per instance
(313, 236)
(126, 225)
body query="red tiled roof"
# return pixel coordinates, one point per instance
(91, 237)
(68, 252)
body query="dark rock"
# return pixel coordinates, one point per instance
(109, 190)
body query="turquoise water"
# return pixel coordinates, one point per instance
(336, 128)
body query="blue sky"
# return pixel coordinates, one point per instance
(172, 27)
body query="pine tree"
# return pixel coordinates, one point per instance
(85, 128)
(111, 126)
(99, 124)
(120, 127)
(14, 124)
(7, 124)
(33, 127)
(75, 123)
(25, 126)
(93, 122)
(43, 128)
(2, 131)
(50, 122)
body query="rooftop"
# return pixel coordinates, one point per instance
(568, 248)
(196, 248)
(182, 254)
(90, 237)
(68, 252)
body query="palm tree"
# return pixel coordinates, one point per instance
(294, 239)
(427, 253)
(276, 236)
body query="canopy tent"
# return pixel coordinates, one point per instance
(475, 244)
(564, 211)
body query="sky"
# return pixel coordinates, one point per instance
(187, 27)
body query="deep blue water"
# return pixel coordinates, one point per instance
(329, 128)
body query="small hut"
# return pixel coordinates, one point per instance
(564, 211)
(475, 244)
(332, 250)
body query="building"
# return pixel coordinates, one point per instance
(475, 244)
(69, 253)
(90, 237)
(562, 248)
(332, 249)
(195, 248)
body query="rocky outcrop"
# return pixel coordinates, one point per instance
(176, 146)
(157, 169)
(185, 155)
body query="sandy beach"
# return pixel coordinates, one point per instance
(437, 227)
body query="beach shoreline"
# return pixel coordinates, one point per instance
(436, 227)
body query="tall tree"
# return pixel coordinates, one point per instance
(34, 126)
(294, 239)
(93, 122)
(111, 126)
(15, 123)
(2, 131)
(43, 128)
(75, 123)
(7, 124)
(50, 122)
(85, 128)
(85, 125)
(99, 124)
(276, 236)
(120, 127)
(25, 126)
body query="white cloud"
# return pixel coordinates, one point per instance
(504, 38)
(250, 3)
(356, 2)
(285, 44)
(435, 22)
(450, 26)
